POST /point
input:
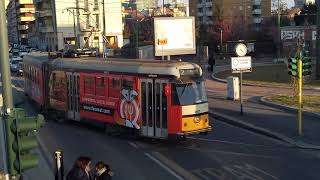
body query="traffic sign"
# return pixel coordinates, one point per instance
(163, 41)
(241, 64)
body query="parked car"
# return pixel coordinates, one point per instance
(20, 68)
(14, 65)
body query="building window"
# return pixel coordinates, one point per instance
(97, 20)
(95, 5)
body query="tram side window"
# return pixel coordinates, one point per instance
(100, 86)
(114, 88)
(127, 84)
(89, 85)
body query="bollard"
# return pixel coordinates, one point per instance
(58, 155)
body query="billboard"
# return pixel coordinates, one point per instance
(174, 36)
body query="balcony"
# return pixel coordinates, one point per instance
(209, 13)
(26, 10)
(256, 2)
(208, 4)
(24, 36)
(45, 13)
(45, 29)
(26, 19)
(23, 27)
(25, 2)
(257, 20)
(256, 12)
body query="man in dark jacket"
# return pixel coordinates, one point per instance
(103, 171)
(211, 62)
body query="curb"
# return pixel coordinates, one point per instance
(257, 85)
(262, 131)
(288, 108)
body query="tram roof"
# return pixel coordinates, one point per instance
(133, 66)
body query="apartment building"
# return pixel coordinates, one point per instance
(19, 18)
(78, 23)
(300, 3)
(250, 12)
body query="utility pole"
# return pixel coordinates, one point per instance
(279, 32)
(137, 29)
(104, 28)
(318, 41)
(6, 82)
(74, 28)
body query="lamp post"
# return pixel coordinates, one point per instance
(279, 33)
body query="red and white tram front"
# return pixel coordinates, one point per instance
(174, 107)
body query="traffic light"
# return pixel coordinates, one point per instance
(21, 140)
(306, 66)
(293, 67)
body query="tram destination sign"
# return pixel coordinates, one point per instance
(241, 64)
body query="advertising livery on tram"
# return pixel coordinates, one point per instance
(156, 99)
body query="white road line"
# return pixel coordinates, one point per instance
(133, 145)
(227, 142)
(163, 166)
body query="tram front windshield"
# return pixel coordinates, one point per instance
(189, 93)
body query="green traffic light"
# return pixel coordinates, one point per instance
(22, 140)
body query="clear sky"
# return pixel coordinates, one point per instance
(290, 3)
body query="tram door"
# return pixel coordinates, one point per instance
(73, 96)
(154, 108)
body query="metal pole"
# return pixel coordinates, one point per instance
(3, 143)
(241, 106)
(104, 29)
(279, 33)
(137, 34)
(221, 39)
(4, 62)
(59, 165)
(74, 28)
(300, 94)
(5, 77)
(318, 41)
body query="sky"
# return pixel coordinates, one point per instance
(290, 3)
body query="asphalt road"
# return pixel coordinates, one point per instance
(228, 152)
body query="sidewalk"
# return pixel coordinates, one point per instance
(273, 122)
(43, 171)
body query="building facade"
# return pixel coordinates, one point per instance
(249, 12)
(300, 3)
(19, 17)
(77, 24)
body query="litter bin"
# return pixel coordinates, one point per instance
(233, 88)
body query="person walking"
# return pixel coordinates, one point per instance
(81, 169)
(211, 62)
(103, 171)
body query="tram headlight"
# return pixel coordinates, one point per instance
(197, 119)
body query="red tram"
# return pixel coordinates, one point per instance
(157, 99)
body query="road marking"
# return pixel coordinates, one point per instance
(226, 142)
(133, 145)
(163, 166)
(233, 153)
